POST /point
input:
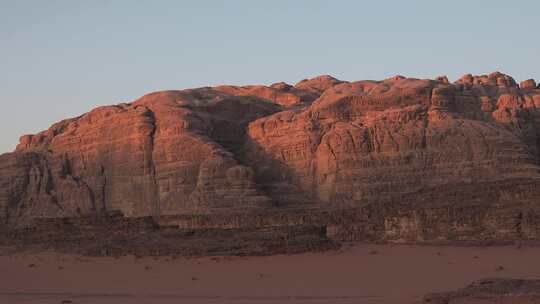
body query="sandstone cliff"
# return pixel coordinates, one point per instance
(369, 140)
(322, 144)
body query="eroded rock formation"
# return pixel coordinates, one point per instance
(322, 144)
(164, 153)
(365, 141)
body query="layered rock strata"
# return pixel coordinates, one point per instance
(415, 158)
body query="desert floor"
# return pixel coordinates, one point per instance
(370, 274)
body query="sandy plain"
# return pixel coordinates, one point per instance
(370, 274)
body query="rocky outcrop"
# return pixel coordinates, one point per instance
(410, 156)
(167, 152)
(318, 84)
(111, 234)
(372, 141)
(279, 93)
(528, 84)
(491, 291)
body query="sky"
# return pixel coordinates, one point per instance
(60, 59)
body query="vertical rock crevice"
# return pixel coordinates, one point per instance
(150, 164)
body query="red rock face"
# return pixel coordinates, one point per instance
(322, 143)
(366, 141)
(164, 153)
(278, 93)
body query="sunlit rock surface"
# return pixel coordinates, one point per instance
(412, 151)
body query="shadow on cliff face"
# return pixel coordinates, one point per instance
(276, 179)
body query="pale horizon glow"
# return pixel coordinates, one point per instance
(60, 59)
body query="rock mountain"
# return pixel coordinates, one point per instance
(321, 144)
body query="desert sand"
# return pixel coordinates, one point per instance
(378, 274)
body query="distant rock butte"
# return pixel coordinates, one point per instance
(322, 143)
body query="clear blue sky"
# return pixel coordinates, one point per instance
(59, 59)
